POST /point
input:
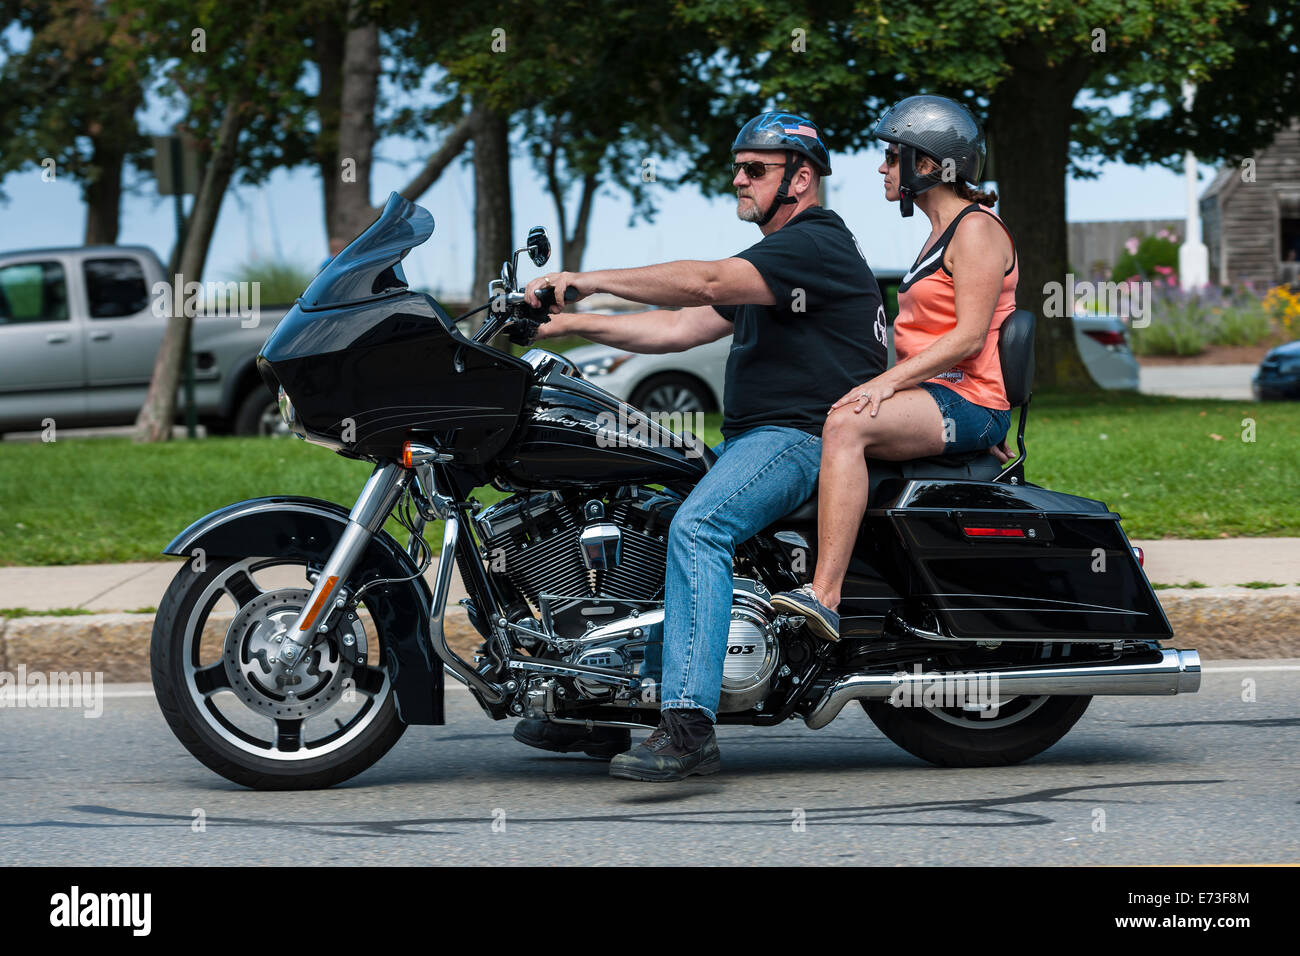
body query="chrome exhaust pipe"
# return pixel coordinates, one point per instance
(1175, 672)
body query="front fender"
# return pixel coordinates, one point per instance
(288, 526)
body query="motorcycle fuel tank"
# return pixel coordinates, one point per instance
(576, 433)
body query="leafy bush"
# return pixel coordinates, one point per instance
(1148, 257)
(1243, 323)
(1283, 307)
(1173, 330)
(1185, 323)
(280, 282)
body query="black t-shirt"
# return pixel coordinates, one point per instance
(824, 335)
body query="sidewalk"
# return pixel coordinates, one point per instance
(1221, 562)
(1198, 381)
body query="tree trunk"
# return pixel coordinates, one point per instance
(103, 195)
(353, 211)
(1030, 116)
(154, 423)
(329, 35)
(492, 221)
(575, 246)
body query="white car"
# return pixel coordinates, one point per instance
(685, 382)
(692, 381)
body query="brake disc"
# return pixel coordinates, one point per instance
(258, 676)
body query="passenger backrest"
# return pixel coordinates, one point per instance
(1016, 354)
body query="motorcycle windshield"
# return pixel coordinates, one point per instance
(371, 265)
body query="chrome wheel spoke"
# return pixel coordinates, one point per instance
(208, 680)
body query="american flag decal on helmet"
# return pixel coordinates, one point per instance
(801, 131)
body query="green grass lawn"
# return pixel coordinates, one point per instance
(1154, 460)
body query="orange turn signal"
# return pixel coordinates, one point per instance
(320, 601)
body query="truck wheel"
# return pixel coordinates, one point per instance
(259, 414)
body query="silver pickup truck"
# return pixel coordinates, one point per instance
(80, 329)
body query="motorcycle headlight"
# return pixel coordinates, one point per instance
(286, 407)
(603, 365)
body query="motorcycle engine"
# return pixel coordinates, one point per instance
(594, 569)
(580, 560)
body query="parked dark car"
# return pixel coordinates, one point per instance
(1279, 373)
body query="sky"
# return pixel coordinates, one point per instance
(283, 219)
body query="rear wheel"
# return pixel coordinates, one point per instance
(228, 698)
(1020, 728)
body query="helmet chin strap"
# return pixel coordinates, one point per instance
(911, 183)
(792, 163)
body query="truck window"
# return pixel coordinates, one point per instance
(33, 292)
(115, 287)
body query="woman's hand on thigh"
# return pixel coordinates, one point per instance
(870, 393)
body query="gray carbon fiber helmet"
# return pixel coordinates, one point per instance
(939, 128)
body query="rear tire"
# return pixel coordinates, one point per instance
(953, 738)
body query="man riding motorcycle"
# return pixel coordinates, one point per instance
(808, 324)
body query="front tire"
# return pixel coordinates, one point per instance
(952, 737)
(222, 695)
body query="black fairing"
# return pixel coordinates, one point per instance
(309, 529)
(369, 364)
(577, 433)
(396, 370)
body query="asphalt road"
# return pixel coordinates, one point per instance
(1204, 778)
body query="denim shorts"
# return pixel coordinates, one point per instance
(970, 427)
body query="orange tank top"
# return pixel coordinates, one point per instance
(927, 310)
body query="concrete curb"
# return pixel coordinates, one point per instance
(1220, 623)
(117, 645)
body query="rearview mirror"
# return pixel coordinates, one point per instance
(539, 246)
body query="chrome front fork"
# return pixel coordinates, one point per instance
(377, 500)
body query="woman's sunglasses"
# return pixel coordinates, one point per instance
(891, 157)
(753, 169)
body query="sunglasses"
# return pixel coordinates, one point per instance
(891, 157)
(753, 169)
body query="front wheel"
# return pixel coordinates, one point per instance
(226, 696)
(957, 737)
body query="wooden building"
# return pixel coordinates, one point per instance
(1250, 215)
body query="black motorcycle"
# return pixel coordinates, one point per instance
(979, 616)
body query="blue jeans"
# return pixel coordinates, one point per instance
(967, 426)
(761, 475)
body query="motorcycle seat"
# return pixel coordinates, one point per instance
(971, 466)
